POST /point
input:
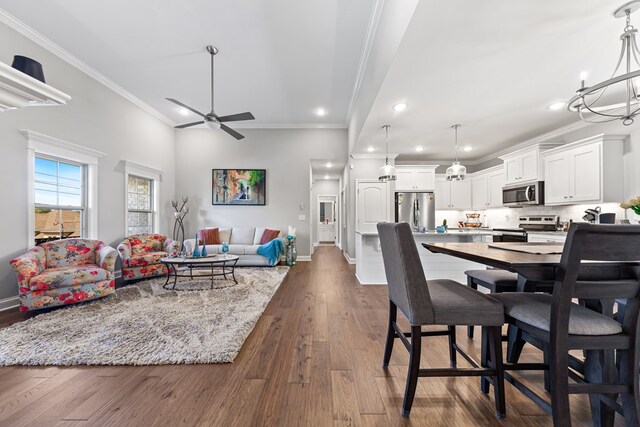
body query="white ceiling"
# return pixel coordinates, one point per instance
(492, 66)
(279, 59)
(320, 170)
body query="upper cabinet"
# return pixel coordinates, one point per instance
(453, 194)
(486, 188)
(589, 170)
(415, 178)
(18, 90)
(524, 165)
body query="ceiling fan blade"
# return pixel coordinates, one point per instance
(188, 124)
(185, 106)
(236, 117)
(231, 132)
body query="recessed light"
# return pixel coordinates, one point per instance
(371, 149)
(419, 149)
(557, 106)
(320, 111)
(400, 107)
(468, 148)
(326, 177)
(183, 111)
(329, 164)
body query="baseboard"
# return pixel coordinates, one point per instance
(303, 258)
(316, 244)
(7, 303)
(348, 258)
(369, 283)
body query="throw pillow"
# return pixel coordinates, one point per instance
(209, 236)
(269, 235)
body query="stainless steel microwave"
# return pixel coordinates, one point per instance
(523, 194)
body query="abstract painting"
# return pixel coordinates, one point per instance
(239, 187)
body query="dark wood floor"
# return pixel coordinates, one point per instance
(313, 359)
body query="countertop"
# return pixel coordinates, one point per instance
(451, 232)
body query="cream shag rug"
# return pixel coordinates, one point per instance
(144, 324)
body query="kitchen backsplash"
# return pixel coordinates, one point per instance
(508, 217)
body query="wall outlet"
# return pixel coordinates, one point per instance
(302, 217)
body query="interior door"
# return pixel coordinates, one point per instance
(372, 205)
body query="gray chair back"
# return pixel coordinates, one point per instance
(405, 276)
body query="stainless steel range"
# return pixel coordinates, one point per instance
(526, 223)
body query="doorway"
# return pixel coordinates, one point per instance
(327, 220)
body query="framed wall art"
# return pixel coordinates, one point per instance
(239, 187)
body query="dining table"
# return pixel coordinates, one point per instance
(536, 264)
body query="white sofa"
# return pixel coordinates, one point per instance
(243, 241)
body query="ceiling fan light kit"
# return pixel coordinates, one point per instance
(212, 120)
(587, 103)
(456, 172)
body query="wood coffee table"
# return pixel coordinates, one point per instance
(220, 265)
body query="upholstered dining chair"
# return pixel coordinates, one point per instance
(436, 302)
(559, 325)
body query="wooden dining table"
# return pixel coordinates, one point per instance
(534, 269)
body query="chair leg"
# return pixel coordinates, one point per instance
(559, 379)
(453, 359)
(545, 360)
(495, 349)
(472, 285)
(629, 375)
(391, 333)
(414, 367)
(485, 359)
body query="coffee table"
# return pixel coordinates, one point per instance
(220, 265)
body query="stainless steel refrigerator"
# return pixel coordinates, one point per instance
(418, 209)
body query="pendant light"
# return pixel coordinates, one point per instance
(456, 172)
(387, 172)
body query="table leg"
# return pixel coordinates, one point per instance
(224, 271)
(175, 278)
(211, 275)
(166, 282)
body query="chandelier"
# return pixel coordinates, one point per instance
(387, 172)
(456, 172)
(587, 103)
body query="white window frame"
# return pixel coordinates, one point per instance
(40, 144)
(142, 171)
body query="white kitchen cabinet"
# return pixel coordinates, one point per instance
(589, 170)
(546, 237)
(486, 188)
(525, 165)
(453, 194)
(415, 178)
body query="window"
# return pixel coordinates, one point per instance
(59, 199)
(140, 205)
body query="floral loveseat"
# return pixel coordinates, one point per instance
(141, 254)
(65, 272)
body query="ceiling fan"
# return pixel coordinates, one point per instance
(212, 120)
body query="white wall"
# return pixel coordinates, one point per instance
(96, 117)
(322, 187)
(284, 153)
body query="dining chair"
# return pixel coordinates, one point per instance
(436, 302)
(495, 280)
(558, 325)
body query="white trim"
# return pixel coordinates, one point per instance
(8, 303)
(18, 90)
(348, 258)
(303, 258)
(23, 29)
(369, 283)
(44, 144)
(374, 156)
(372, 30)
(143, 171)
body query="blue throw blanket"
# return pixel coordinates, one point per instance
(272, 250)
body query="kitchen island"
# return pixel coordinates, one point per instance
(370, 266)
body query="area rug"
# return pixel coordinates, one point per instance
(144, 324)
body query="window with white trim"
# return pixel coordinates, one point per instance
(60, 199)
(141, 210)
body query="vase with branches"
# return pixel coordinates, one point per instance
(178, 225)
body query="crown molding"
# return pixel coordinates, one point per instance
(23, 29)
(372, 30)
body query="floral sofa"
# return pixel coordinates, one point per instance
(65, 272)
(141, 254)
